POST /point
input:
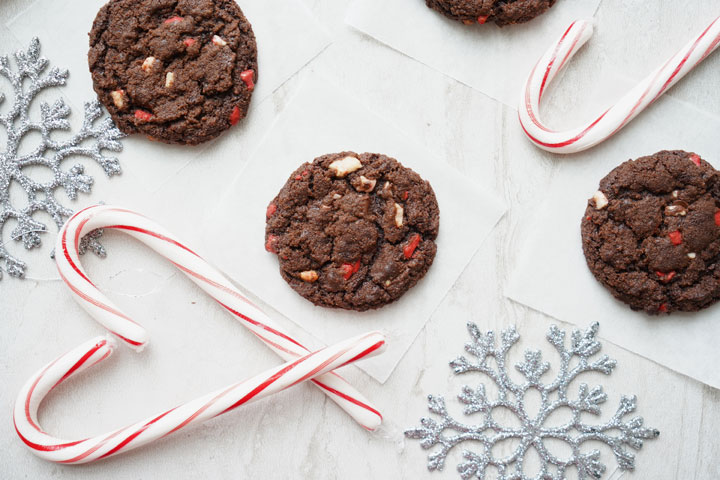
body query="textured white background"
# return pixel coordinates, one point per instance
(298, 434)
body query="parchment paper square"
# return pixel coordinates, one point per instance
(322, 119)
(493, 60)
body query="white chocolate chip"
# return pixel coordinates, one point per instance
(366, 185)
(309, 276)
(344, 166)
(692, 255)
(676, 210)
(118, 98)
(387, 283)
(600, 199)
(336, 196)
(169, 79)
(148, 63)
(675, 194)
(218, 41)
(398, 215)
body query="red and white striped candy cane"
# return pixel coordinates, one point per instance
(620, 114)
(211, 405)
(205, 276)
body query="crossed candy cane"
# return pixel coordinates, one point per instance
(620, 114)
(302, 364)
(211, 405)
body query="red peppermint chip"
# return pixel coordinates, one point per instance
(663, 308)
(350, 269)
(666, 277)
(270, 244)
(143, 115)
(409, 249)
(235, 115)
(695, 159)
(482, 19)
(272, 208)
(188, 42)
(174, 19)
(676, 237)
(247, 77)
(717, 218)
(406, 195)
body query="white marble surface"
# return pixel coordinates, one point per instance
(299, 434)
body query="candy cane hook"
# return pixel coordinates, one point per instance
(208, 278)
(620, 114)
(211, 405)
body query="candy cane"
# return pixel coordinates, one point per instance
(211, 405)
(620, 114)
(205, 276)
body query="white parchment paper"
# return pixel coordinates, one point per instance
(322, 119)
(491, 59)
(552, 276)
(63, 27)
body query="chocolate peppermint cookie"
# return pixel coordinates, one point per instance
(179, 71)
(651, 233)
(353, 231)
(502, 12)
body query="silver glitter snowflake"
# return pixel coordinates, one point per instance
(97, 133)
(617, 433)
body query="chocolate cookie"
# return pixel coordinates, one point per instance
(502, 12)
(353, 231)
(651, 234)
(179, 71)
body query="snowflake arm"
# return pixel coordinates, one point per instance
(482, 347)
(97, 135)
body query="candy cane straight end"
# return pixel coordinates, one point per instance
(618, 115)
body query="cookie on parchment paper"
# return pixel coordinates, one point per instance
(178, 71)
(651, 233)
(502, 12)
(353, 231)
